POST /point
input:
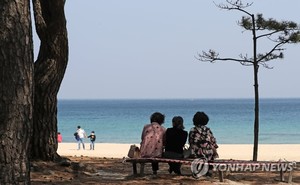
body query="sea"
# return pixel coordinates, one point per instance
(231, 120)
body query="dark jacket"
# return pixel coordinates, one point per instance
(175, 140)
(92, 137)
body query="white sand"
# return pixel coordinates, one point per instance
(290, 152)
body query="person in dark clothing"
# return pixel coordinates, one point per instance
(175, 141)
(92, 139)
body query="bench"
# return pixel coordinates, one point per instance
(221, 165)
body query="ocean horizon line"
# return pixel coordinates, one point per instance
(118, 99)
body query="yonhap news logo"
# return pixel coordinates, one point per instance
(255, 166)
(200, 166)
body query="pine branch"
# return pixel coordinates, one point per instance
(267, 34)
(267, 57)
(235, 5)
(211, 56)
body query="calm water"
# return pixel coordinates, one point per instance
(231, 120)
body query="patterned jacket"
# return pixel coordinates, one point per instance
(203, 142)
(153, 140)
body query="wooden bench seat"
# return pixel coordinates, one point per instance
(222, 165)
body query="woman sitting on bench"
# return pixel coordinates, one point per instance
(202, 140)
(153, 139)
(175, 140)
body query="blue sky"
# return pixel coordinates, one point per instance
(146, 49)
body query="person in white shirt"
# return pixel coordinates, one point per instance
(81, 135)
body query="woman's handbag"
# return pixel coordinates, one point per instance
(187, 152)
(215, 155)
(134, 152)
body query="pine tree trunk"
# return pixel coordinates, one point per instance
(256, 93)
(49, 71)
(16, 87)
(256, 113)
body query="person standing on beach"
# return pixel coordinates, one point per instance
(202, 140)
(175, 141)
(81, 135)
(153, 139)
(59, 137)
(92, 137)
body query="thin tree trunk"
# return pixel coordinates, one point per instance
(256, 113)
(256, 94)
(16, 87)
(49, 71)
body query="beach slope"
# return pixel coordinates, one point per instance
(267, 152)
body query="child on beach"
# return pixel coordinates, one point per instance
(59, 137)
(92, 139)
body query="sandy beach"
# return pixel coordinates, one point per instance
(272, 152)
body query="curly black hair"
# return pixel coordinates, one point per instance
(200, 118)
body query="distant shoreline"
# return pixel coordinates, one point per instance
(87, 142)
(125, 99)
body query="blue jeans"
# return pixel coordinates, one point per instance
(92, 145)
(81, 140)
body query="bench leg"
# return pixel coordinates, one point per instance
(142, 168)
(134, 168)
(290, 179)
(221, 176)
(281, 176)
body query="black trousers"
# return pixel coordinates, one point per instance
(155, 166)
(174, 167)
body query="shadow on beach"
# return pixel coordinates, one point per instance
(93, 170)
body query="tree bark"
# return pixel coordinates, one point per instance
(256, 113)
(16, 87)
(49, 71)
(256, 93)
